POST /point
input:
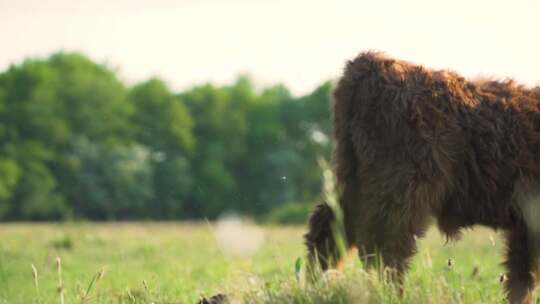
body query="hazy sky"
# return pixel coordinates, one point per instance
(300, 43)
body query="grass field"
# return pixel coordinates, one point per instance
(179, 262)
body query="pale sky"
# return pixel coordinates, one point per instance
(300, 43)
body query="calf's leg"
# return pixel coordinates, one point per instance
(523, 265)
(392, 244)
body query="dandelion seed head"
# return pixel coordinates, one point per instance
(238, 236)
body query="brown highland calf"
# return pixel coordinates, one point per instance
(413, 144)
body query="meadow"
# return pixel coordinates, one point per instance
(162, 262)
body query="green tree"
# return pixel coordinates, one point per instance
(286, 136)
(265, 170)
(161, 120)
(113, 182)
(47, 105)
(35, 196)
(309, 126)
(76, 143)
(30, 130)
(163, 123)
(220, 130)
(8, 180)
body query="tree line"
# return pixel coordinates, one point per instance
(76, 142)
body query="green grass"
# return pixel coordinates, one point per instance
(177, 263)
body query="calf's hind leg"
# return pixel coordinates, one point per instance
(523, 263)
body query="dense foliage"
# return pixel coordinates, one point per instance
(77, 143)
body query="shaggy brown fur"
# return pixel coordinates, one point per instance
(413, 143)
